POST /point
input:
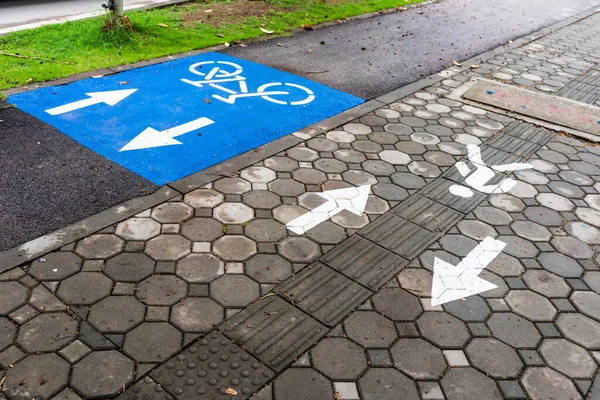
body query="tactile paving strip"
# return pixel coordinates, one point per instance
(528, 132)
(364, 261)
(514, 145)
(430, 215)
(212, 368)
(274, 331)
(145, 389)
(399, 235)
(323, 293)
(439, 190)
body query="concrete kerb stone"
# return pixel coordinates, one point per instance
(54, 240)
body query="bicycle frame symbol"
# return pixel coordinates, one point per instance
(217, 75)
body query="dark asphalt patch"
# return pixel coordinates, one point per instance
(48, 181)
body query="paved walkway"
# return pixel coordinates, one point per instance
(209, 296)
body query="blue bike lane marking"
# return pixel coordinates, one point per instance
(167, 121)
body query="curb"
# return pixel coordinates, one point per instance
(26, 252)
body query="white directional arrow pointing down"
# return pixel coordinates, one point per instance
(456, 282)
(150, 137)
(353, 199)
(110, 98)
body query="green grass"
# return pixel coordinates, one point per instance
(56, 51)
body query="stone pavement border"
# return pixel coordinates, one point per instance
(30, 250)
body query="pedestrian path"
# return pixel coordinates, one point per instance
(430, 249)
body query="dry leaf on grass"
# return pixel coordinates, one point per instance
(268, 32)
(163, 25)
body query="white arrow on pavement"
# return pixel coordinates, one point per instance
(150, 137)
(111, 98)
(456, 282)
(353, 199)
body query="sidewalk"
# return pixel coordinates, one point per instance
(210, 296)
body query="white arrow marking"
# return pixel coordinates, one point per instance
(456, 282)
(150, 137)
(110, 98)
(353, 199)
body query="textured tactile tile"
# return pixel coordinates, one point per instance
(364, 261)
(514, 145)
(274, 331)
(433, 216)
(399, 235)
(323, 293)
(528, 132)
(438, 190)
(212, 368)
(586, 88)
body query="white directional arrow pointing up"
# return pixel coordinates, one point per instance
(110, 98)
(152, 138)
(353, 199)
(456, 282)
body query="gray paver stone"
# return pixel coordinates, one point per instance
(560, 265)
(545, 383)
(102, 373)
(37, 376)
(197, 314)
(12, 296)
(469, 384)
(234, 290)
(152, 342)
(302, 384)
(443, 329)
(472, 309)
(202, 229)
(547, 284)
(161, 290)
(168, 247)
(200, 268)
(494, 358)
(339, 359)
(580, 329)
(299, 249)
(47, 332)
(138, 229)
(587, 303)
(234, 248)
(514, 330)
(568, 358)
(530, 305)
(147, 389)
(418, 359)
(7, 333)
(55, 266)
(116, 314)
(386, 384)
(129, 267)
(370, 329)
(99, 246)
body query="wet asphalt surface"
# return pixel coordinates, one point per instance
(48, 181)
(374, 56)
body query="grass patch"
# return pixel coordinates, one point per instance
(56, 51)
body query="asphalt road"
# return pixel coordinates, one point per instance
(374, 56)
(49, 181)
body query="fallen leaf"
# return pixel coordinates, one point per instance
(268, 32)
(209, 10)
(279, 44)
(231, 391)
(163, 25)
(456, 63)
(220, 35)
(307, 27)
(309, 51)
(123, 83)
(474, 66)
(207, 100)
(337, 395)
(243, 45)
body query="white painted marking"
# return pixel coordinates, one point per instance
(353, 199)
(110, 98)
(456, 282)
(150, 137)
(483, 174)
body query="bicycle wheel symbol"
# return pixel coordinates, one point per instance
(216, 72)
(305, 95)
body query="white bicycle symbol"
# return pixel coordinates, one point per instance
(300, 94)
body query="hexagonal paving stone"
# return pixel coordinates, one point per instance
(532, 176)
(12, 296)
(99, 246)
(519, 247)
(494, 358)
(469, 384)
(55, 266)
(340, 136)
(102, 373)
(568, 358)
(234, 248)
(233, 213)
(7, 333)
(138, 229)
(458, 245)
(471, 309)
(476, 229)
(261, 199)
(378, 168)
(268, 268)
(418, 359)
(265, 230)
(309, 176)
(200, 268)
(232, 186)
(560, 265)
(202, 229)
(531, 231)
(587, 303)
(359, 178)
(397, 304)
(339, 358)
(357, 129)
(387, 384)
(197, 314)
(572, 247)
(327, 233)
(349, 220)
(370, 329)
(116, 314)
(395, 157)
(583, 232)
(234, 290)
(301, 384)
(258, 175)
(425, 169)
(203, 198)
(168, 247)
(37, 376)
(588, 215)
(161, 290)
(152, 342)
(505, 265)
(298, 249)
(506, 202)
(286, 187)
(416, 280)
(546, 283)
(443, 329)
(322, 144)
(542, 383)
(85, 288)
(493, 216)
(530, 305)
(47, 332)
(129, 267)
(330, 165)
(555, 202)
(513, 330)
